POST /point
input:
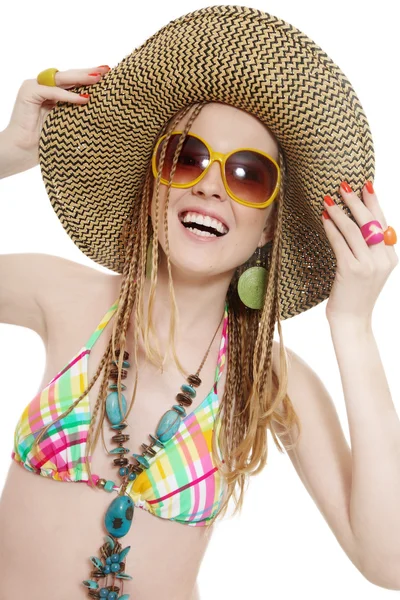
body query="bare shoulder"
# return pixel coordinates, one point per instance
(33, 283)
(43, 291)
(79, 296)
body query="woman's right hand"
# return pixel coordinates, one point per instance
(34, 102)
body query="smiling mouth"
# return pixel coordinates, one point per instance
(199, 228)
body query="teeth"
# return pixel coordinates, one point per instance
(201, 233)
(193, 217)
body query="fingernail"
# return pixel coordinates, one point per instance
(369, 187)
(329, 201)
(346, 187)
(325, 214)
(94, 74)
(84, 95)
(104, 67)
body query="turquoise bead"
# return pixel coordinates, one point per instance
(107, 569)
(112, 596)
(168, 426)
(112, 407)
(131, 476)
(123, 576)
(115, 558)
(189, 390)
(114, 386)
(180, 409)
(156, 441)
(125, 364)
(97, 562)
(123, 471)
(118, 519)
(119, 450)
(92, 585)
(108, 560)
(123, 553)
(124, 597)
(142, 460)
(115, 568)
(108, 487)
(104, 593)
(110, 542)
(120, 426)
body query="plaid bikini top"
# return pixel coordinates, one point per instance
(181, 484)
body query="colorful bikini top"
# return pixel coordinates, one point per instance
(181, 484)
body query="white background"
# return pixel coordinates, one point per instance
(280, 547)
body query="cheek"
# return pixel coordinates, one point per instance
(174, 197)
(251, 221)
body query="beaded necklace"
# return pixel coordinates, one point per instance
(119, 515)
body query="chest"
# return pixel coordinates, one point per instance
(155, 394)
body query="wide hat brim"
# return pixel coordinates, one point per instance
(93, 157)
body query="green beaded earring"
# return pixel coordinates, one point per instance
(251, 284)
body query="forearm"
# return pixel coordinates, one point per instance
(375, 443)
(13, 160)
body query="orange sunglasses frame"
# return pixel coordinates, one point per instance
(221, 158)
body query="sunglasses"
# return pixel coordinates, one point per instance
(250, 177)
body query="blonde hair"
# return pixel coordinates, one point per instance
(254, 398)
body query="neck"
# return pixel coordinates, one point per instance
(200, 302)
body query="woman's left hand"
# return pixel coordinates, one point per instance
(362, 270)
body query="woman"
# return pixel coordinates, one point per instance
(203, 232)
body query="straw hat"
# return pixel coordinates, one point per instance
(93, 157)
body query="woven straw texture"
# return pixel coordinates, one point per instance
(93, 157)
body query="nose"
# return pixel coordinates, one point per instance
(211, 184)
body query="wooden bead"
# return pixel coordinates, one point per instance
(137, 469)
(96, 574)
(126, 354)
(114, 374)
(148, 450)
(120, 438)
(184, 399)
(194, 380)
(121, 462)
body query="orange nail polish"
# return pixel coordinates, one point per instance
(329, 201)
(369, 187)
(94, 74)
(325, 214)
(84, 95)
(104, 67)
(346, 187)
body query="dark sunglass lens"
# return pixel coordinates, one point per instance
(193, 159)
(251, 176)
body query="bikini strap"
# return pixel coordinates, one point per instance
(99, 329)
(223, 346)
